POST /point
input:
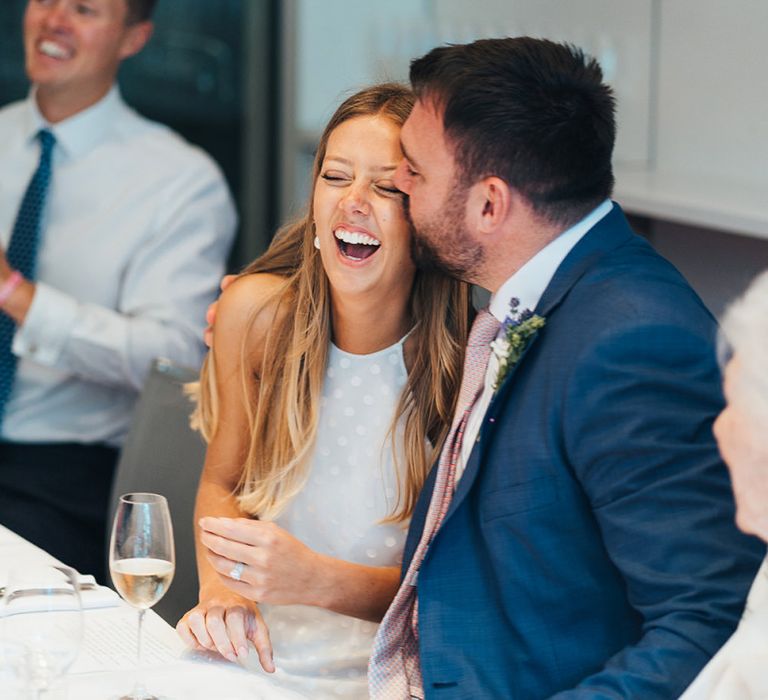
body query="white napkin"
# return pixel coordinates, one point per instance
(98, 597)
(92, 596)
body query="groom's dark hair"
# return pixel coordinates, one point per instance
(531, 111)
(140, 10)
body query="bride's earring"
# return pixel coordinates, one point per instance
(317, 242)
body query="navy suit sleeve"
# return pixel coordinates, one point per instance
(639, 419)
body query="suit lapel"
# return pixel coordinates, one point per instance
(416, 526)
(610, 232)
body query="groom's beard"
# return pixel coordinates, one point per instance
(444, 244)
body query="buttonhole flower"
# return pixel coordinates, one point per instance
(515, 335)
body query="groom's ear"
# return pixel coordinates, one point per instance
(490, 202)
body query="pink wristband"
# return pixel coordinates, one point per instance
(9, 286)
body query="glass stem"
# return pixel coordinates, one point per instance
(142, 612)
(138, 688)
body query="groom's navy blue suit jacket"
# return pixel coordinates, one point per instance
(590, 549)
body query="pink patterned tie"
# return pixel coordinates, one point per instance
(394, 670)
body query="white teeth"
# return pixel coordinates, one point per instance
(52, 49)
(355, 238)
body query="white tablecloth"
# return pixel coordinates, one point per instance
(105, 668)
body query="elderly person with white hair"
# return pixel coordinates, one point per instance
(739, 671)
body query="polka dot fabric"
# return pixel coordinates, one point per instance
(351, 487)
(22, 254)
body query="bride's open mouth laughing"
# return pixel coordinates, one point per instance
(355, 245)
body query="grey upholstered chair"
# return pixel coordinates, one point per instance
(163, 455)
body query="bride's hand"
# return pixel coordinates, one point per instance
(275, 568)
(224, 623)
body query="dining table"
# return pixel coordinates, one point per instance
(106, 666)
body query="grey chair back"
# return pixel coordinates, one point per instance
(162, 454)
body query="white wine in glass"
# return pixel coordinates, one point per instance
(142, 581)
(141, 559)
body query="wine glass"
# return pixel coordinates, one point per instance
(141, 559)
(42, 623)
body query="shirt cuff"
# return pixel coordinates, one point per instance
(48, 324)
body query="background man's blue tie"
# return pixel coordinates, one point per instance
(22, 254)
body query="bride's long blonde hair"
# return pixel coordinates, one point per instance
(282, 401)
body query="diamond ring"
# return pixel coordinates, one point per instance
(237, 571)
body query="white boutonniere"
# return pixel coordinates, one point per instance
(515, 335)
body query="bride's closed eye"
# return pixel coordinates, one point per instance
(334, 178)
(388, 188)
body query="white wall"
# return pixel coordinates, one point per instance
(691, 78)
(713, 89)
(345, 44)
(339, 48)
(712, 122)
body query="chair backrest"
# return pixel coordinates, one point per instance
(162, 454)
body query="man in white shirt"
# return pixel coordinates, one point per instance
(130, 229)
(576, 538)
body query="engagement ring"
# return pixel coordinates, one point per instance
(237, 571)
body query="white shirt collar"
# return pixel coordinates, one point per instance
(530, 281)
(79, 133)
